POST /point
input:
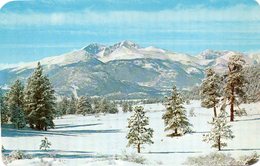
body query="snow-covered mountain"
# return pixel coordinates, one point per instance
(123, 70)
(219, 59)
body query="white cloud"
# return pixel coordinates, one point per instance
(132, 18)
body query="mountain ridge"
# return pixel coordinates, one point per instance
(123, 70)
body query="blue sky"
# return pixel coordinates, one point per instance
(31, 30)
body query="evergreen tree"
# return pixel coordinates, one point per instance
(39, 101)
(103, 106)
(220, 130)
(84, 106)
(138, 132)
(15, 103)
(125, 107)
(62, 107)
(130, 107)
(112, 109)
(210, 90)
(175, 116)
(235, 83)
(45, 144)
(3, 108)
(72, 105)
(96, 102)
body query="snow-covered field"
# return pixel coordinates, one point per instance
(90, 140)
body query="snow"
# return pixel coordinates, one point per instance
(127, 50)
(192, 70)
(153, 49)
(148, 66)
(90, 140)
(74, 90)
(61, 60)
(255, 57)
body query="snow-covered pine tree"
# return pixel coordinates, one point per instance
(175, 118)
(45, 144)
(210, 90)
(103, 106)
(125, 107)
(39, 101)
(130, 107)
(72, 105)
(3, 108)
(139, 133)
(96, 103)
(220, 131)
(15, 103)
(84, 106)
(234, 83)
(62, 107)
(112, 109)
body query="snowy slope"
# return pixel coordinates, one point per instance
(61, 60)
(129, 50)
(90, 140)
(219, 59)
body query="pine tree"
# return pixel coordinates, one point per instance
(235, 83)
(125, 107)
(210, 90)
(130, 107)
(84, 106)
(220, 130)
(39, 101)
(96, 102)
(15, 103)
(72, 105)
(103, 106)
(45, 144)
(175, 116)
(138, 133)
(3, 108)
(62, 107)
(112, 109)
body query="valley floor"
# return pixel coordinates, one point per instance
(91, 140)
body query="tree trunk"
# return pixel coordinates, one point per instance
(232, 104)
(215, 111)
(176, 131)
(219, 147)
(138, 148)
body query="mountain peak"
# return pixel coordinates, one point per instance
(127, 44)
(94, 48)
(209, 54)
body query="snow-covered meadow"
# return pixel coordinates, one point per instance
(97, 140)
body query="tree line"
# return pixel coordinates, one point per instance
(35, 104)
(85, 105)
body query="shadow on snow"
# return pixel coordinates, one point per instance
(10, 132)
(253, 119)
(174, 152)
(245, 149)
(59, 154)
(61, 126)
